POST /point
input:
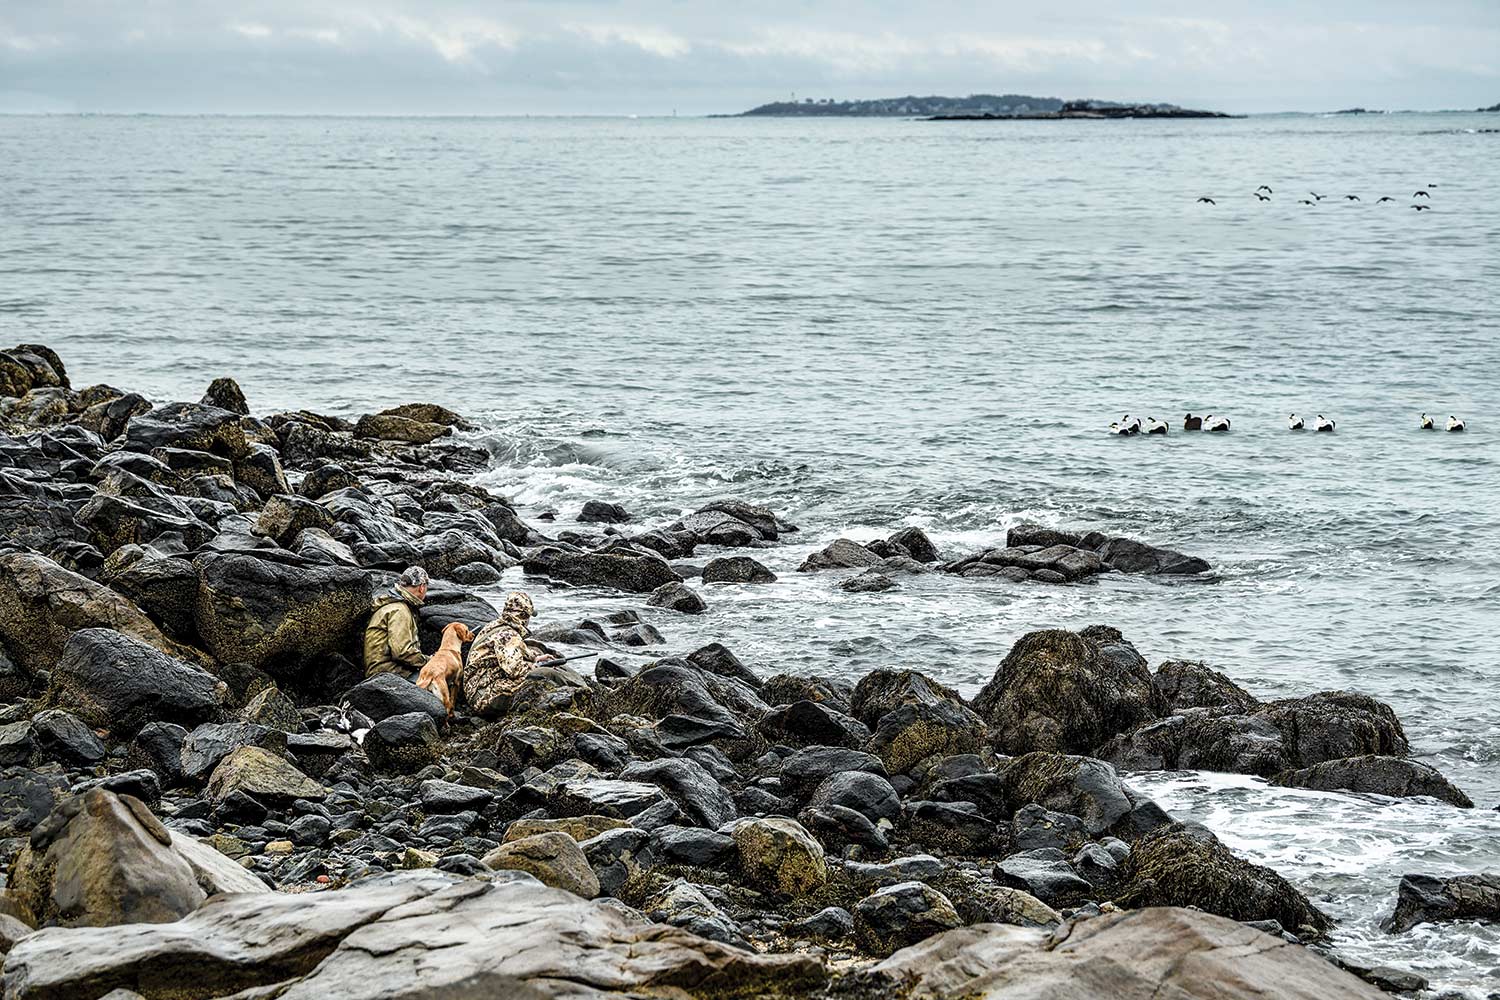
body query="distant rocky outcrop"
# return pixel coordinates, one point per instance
(972, 107)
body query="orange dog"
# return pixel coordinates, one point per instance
(441, 671)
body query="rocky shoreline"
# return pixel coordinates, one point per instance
(201, 795)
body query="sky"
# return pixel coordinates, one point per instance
(708, 56)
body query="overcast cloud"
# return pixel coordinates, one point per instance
(654, 56)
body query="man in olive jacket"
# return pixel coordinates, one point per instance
(391, 645)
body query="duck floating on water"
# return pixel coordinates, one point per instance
(1455, 424)
(1154, 426)
(1295, 423)
(1215, 424)
(1192, 423)
(1324, 425)
(1425, 423)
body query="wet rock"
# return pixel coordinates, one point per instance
(277, 612)
(1066, 691)
(263, 776)
(1183, 684)
(385, 695)
(404, 743)
(272, 709)
(868, 582)
(60, 736)
(389, 427)
(285, 516)
(811, 723)
(261, 471)
(439, 796)
(780, 855)
(164, 587)
(599, 512)
(1157, 952)
(1377, 775)
(1125, 555)
(900, 915)
(327, 478)
(736, 569)
(716, 658)
(686, 845)
(1334, 724)
(910, 542)
(1078, 786)
(617, 856)
(685, 905)
(955, 827)
(1034, 827)
(694, 706)
(428, 413)
(115, 682)
(839, 827)
(553, 858)
(1200, 739)
(26, 797)
(101, 859)
(621, 569)
(158, 747)
(42, 605)
(1045, 874)
(841, 553)
(605, 797)
(870, 795)
(806, 769)
(192, 426)
(677, 597)
(1185, 865)
(225, 393)
(913, 718)
(16, 744)
(701, 798)
(1427, 899)
(832, 923)
(208, 745)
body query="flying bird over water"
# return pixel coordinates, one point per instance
(1324, 424)
(1266, 188)
(1386, 198)
(1455, 424)
(1426, 423)
(1316, 195)
(1421, 208)
(1209, 200)
(1420, 194)
(1295, 423)
(1303, 201)
(1352, 197)
(1261, 196)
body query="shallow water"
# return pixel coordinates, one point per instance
(868, 324)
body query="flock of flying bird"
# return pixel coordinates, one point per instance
(1264, 192)
(1128, 426)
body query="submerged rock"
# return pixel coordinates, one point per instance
(842, 553)
(736, 569)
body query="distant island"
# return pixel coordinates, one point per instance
(974, 107)
(1492, 107)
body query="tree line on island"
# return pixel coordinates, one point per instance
(973, 106)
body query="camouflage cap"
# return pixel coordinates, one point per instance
(518, 603)
(414, 576)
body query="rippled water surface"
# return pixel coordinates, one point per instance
(872, 324)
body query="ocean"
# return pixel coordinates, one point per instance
(867, 324)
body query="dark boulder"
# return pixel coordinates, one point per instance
(842, 553)
(870, 795)
(325, 479)
(158, 748)
(404, 743)
(806, 769)
(736, 569)
(1126, 555)
(284, 516)
(702, 799)
(1375, 775)
(193, 426)
(1200, 739)
(1079, 786)
(390, 427)
(1045, 874)
(207, 746)
(600, 512)
(1335, 724)
(385, 695)
(1183, 684)
(60, 736)
(115, 682)
(694, 706)
(677, 597)
(225, 393)
(910, 542)
(1066, 691)
(912, 718)
(164, 587)
(621, 569)
(1186, 865)
(811, 723)
(1426, 899)
(277, 612)
(900, 915)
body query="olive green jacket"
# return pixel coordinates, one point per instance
(391, 638)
